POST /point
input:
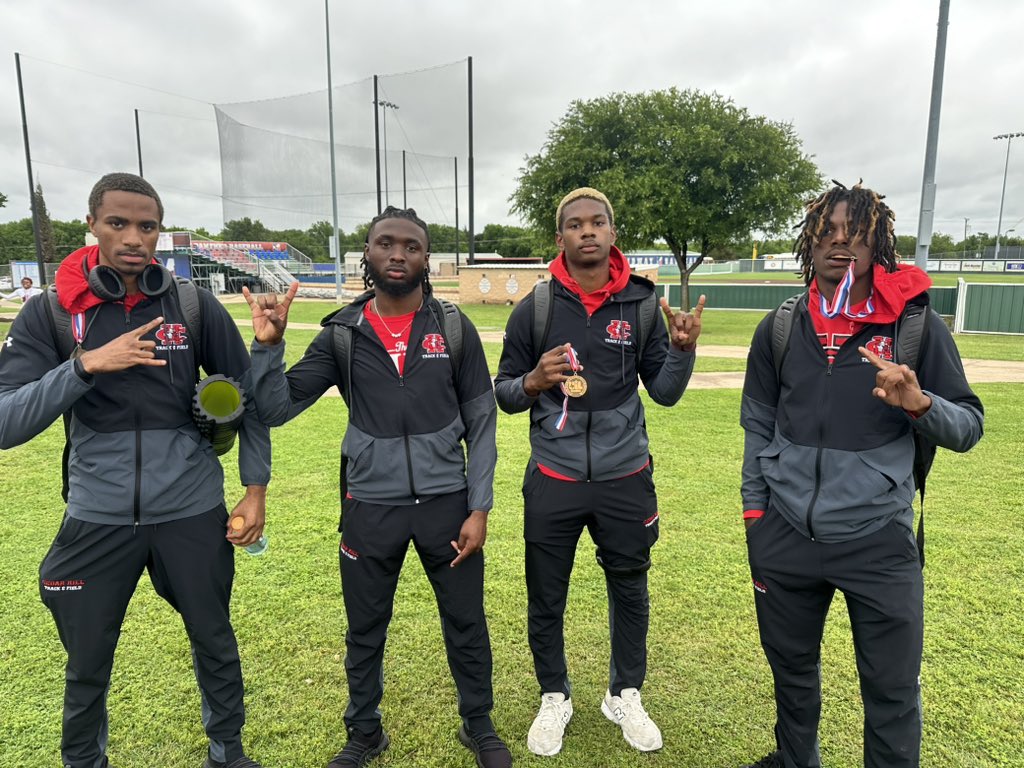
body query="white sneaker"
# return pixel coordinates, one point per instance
(545, 737)
(638, 729)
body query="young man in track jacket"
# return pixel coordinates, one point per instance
(589, 464)
(405, 476)
(828, 482)
(145, 491)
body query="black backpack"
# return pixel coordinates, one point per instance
(910, 334)
(543, 304)
(183, 291)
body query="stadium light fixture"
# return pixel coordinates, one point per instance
(1009, 138)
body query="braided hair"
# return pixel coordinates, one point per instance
(868, 220)
(391, 212)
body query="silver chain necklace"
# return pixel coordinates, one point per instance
(386, 328)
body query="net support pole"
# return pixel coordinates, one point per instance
(138, 141)
(376, 139)
(31, 184)
(470, 247)
(456, 214)
(334, 179)
(927, 214)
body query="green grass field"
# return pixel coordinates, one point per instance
(709, 687)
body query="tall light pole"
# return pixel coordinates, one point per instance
(1009, 138)
(386, 105)
(965, 236)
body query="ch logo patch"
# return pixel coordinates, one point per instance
(881, 346)
(618, 330)
(9, 341)
(172, 335)
(433, 344)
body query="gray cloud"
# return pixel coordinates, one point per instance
(854, 80)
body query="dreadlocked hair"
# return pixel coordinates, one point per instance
(391, 212)
(868, 219)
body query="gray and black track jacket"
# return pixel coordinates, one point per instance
(403, 442)
(834, 460)
(135, 454)
(605, 434)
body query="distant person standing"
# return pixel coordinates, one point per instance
(828, 474)
(589, 465)
(25, 292)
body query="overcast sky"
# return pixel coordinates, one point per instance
(854, 78)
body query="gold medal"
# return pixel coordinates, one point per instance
(575, 386)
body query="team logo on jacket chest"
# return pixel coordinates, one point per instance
(618, 333)
(171, 336)
(881, 346)
(434, 346)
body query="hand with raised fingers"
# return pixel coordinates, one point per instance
(126, 351)
(684, 327)
(270, 316)
(552, 369)
(897, 385)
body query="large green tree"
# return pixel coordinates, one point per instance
(687, 167)
(47, 245)
(3, 199)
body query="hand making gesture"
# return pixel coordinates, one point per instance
(897, 385)
(269, 318)
(683, 327)
(126, 351)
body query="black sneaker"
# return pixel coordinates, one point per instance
(774, 760)
(360, 749)
(489, 749)
(242, 762)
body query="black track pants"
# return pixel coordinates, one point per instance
(374, 541)
(87, 579)
(880, 576)
(622, 517)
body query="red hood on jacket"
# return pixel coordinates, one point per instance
(73, 290)
(619, 272)
(890, 291)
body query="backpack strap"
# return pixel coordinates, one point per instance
(60, 324)
(449, 320)
(341, 346)
(186, 294)
(646, 315)
(543, 302)
(782, 328)
(911, 332)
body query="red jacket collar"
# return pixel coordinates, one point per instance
(73, 290)
(619, 272)
(890, 290)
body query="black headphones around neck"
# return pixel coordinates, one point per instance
(106, 282)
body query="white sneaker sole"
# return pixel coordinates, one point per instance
(611, 716)
(532, 746)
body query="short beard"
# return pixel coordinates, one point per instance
(394, 288)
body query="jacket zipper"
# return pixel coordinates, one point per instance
(817, 457)
(137, 501)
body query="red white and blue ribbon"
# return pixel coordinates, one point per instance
(78, 327)
(841, 299)
(574, 364)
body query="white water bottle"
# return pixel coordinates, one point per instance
(259, 546)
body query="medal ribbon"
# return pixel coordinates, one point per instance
(841, 299)
(574, 364)
(78, 327)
